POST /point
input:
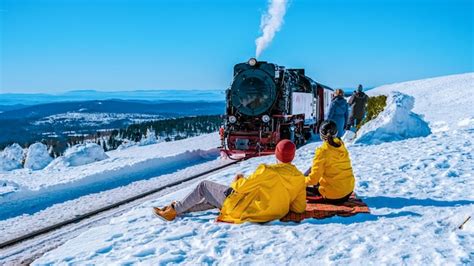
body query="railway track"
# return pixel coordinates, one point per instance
(10, 249)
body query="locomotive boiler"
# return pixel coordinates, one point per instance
(266, 103)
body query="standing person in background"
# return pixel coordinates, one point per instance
(358, 102)
(339, 111)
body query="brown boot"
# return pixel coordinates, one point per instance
(168, 213)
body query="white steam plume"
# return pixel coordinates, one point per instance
(270, 23)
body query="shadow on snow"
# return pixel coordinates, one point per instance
(373, 202)
(398, 203)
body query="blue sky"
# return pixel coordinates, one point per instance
(54, 46)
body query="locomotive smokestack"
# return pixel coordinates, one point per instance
(271, 22)
(252, 62)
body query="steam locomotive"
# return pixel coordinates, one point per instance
(266, 103)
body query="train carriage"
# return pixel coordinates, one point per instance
(266, 103)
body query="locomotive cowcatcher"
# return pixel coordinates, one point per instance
(266, 103)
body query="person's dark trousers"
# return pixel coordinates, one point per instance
(353, 122)
(314, 192)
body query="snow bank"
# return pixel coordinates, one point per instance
(31, 191)
(79, 155)
(37, 157)
(395, 122)
(7, 187)
(445, 102)
(348, 136)
(11, 157)
(126, 144)
(134, 158)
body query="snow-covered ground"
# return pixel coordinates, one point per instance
(59, 212)
(11, 157)
(80, 154)
(419, 191)
(28, 191)
(446, 102)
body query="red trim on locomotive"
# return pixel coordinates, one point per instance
(264, 142)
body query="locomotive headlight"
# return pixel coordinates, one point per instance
(232, 119)
(252, 61)
(265, 118)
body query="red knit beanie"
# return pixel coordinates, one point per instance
(285, 151)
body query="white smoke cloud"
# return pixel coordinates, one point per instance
(270, 23)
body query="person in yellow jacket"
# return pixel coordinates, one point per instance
(331, 173)
(267, 194)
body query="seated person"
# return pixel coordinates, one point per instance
(268, 194)
(331, 174)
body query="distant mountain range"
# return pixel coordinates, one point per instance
(26, 124)
(12, 99)
(164, 108)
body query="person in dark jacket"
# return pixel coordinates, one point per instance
(358, 102)
(339, 112)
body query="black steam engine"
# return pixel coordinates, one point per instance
(267, 103)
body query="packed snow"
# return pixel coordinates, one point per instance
(37, 156)
(118, 160)
(79, 155)
(445, 102)
(415, 203)
(19, 225)
(68, 178)
(11, 158)
(419, 191)
(395, 122)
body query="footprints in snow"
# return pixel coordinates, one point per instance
(145, 252)
(114, 236)
(175, 237)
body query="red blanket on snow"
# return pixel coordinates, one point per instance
(318, 210)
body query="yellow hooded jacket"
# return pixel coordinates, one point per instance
(268, 194)
(332, 170)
